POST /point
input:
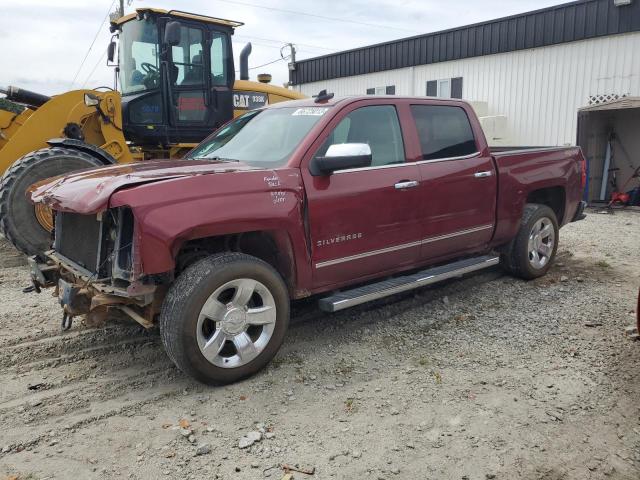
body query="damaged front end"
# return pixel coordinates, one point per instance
(93, 271)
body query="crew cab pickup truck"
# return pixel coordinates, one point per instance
(346, 199)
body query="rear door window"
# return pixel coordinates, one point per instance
(444, 131)
(218, 59)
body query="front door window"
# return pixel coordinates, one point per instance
(139, 59)
(378, 127)
(187, 75)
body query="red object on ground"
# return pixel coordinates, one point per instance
(619, 198)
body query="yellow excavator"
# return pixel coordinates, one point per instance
(177, 84)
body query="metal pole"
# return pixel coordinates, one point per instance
(293, 53)
(605, 172)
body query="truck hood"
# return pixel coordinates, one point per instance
(89, 191)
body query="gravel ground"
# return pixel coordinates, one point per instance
(484, 377)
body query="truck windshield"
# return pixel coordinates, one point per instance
(138, 55)
(264, 138)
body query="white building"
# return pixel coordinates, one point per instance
(527, 75)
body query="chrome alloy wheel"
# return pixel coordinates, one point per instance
(542, 239)
(236, 323)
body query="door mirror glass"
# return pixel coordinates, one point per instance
(172, 33)
(111, 51)
(342, 156)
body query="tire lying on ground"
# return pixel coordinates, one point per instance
(532, 251)
(26, 227)
(225, 317)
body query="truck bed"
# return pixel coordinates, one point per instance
(556, 171)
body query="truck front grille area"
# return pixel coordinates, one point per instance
(78, 238)
(99, 245)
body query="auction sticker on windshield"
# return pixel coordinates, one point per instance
(310, 111)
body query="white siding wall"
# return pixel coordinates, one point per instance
(539, 90)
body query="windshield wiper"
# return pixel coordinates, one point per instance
(216, 159)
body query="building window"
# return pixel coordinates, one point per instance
(388, 90)
(445, 88)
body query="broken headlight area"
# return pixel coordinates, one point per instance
(100, 246)
(91, 268)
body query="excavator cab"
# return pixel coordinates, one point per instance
(177, 85)
(176, 75)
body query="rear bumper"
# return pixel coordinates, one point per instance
(580, 215)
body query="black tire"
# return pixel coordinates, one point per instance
(516, 259)
(18, 221)
(188, 294)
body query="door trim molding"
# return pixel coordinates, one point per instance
(336, 261)
(479, 228)
(406, 164)
(376, 167)
(446, 159)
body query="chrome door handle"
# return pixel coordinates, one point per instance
(488, 173)
(407, 184)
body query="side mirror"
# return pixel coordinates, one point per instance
(111, 51)
(342, 156)
(172, 33)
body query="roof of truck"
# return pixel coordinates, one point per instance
(336, 100)
(178, 13)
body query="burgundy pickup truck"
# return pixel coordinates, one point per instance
(347, 199)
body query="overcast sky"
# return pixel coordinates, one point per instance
(43, 42)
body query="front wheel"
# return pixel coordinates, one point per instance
(225, 318)
(532, 251)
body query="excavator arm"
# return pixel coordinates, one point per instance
(64, 115)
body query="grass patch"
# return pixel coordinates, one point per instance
(422, 361)
(349, 405)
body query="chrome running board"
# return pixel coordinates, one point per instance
(374, 291)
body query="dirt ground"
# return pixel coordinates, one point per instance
(484, 377)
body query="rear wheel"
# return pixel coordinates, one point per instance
(225, 318)
(26, 226)
(532, 251)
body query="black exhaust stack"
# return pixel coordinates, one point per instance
(244, 62)
(25, 97)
